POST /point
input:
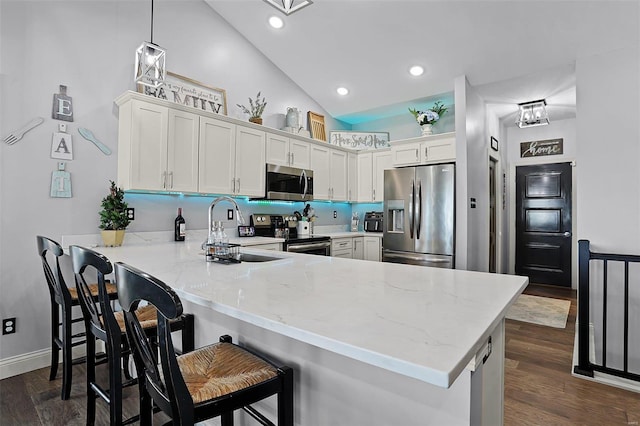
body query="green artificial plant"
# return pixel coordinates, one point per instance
(256, 107)
(113, 215)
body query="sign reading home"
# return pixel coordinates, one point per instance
(541, 148)
(185, 91)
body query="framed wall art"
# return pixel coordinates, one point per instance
(360, 140)
(186, 91)
(494, 143)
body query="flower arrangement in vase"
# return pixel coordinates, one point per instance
(255, 110)
(113, 217)
(427, 118)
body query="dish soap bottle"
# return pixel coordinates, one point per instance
(180, 227)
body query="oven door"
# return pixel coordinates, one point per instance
(321, 248)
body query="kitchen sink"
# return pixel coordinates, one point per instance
(249, 257)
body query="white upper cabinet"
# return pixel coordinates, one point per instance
(217, 159)
(284, 151)
(182, 159)
(232, 159)
(371, 167)
(329, 173)
(431, 149)
(352, 181)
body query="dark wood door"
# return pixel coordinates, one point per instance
(543, 223)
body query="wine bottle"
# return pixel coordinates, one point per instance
(180, 227)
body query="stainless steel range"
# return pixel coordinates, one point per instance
(274, 225)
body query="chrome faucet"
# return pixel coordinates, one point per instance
(239, 217)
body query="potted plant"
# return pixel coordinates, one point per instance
(256, 109)
(426, 119)
(113, 217)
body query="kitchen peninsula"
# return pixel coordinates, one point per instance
(370, 343)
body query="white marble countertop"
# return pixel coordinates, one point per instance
(347, 234)
(425, 323)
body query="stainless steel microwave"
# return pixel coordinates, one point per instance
(289, 183)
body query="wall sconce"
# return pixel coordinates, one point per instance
(533, 114)
(150, 62)
(289, 6)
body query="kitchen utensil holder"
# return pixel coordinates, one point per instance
(224, 253)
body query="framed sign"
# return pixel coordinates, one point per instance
(360, 140)
(185, 91)
(541, 148)
(494, 143)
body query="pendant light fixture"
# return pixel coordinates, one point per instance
(150, 62)
(533, 114)
(289, 6)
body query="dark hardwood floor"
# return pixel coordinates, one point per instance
(539, 388)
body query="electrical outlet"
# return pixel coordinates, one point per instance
(335, 214)
(229, 214)
(131, 213)
(8, 326)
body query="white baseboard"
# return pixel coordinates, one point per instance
(606, 379)
(31, 361)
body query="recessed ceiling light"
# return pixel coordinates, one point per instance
(416, 70)
(342, 91)
(276, 22)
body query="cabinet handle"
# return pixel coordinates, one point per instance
(292, 159)
(349, 195)
(171, 180)
(426, 155)
(417, 155)
(374, 194)
(164, 180)
(289, 158)
(233, 182)
(238, 185)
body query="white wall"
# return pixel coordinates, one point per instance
(89, 46)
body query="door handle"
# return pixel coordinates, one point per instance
(567, 234)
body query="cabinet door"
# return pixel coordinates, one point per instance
(339, 177)
(250, 162)
(365, 177)
(439, 150)
(148, 166)
(182, 158)
(358, 248)
(407, 154)
(300, 151)
(372, 248)
(381, 162)
(216, 164)
(321, 166)
(277, 150)
(352, 181)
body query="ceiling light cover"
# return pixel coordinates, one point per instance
(416, 70)
(533, 114)
(342, 91)
(150, 62)
(289, 6)
(276, 22)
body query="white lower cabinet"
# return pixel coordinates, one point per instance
(342, 247)
(358, 248)
(372, 248)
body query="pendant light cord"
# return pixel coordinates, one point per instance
(151, 21)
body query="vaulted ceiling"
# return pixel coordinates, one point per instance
(512, 51)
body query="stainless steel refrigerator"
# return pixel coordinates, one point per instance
(419, 215)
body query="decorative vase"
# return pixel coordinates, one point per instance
(427, 129)
(257, 120)
(112, 238)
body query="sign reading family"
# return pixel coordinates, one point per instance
(185, 91)
(360, 140)
(541, 148)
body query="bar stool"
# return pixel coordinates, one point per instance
(211, 381)
(63, 299)
(103, 323)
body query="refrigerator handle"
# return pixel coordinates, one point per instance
(418, 211)
(411, 206)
